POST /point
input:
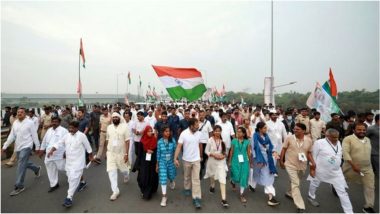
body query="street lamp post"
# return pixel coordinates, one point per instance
(278, 86)
(271, 58)
(291, 83)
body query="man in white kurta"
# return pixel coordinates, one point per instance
(117, 152)
(227, 131)
(56, 162)
(76, 144)
(34, 118)
(256, 117)
(130, 124)
(150, 118)
(276, 132)
(327, 154)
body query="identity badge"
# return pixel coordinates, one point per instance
(302, 157)
(332, 160)
(148, 157)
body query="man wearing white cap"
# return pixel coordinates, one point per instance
(150, 119)
(180, 113)
(117, 152)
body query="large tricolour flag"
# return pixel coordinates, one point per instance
(330, 86)
(322, 101)
(181, 82)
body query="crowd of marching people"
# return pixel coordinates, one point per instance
(236, 145)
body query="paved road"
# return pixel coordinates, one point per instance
(95, 198)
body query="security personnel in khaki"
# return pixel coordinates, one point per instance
(104, 121)
(46, 121)
(304, 119)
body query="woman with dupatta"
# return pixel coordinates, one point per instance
(264, 167)
(147, 177)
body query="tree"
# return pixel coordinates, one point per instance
(357, 100)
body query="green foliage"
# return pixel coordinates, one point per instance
(358, 100)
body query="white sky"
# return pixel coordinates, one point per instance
(229, 42)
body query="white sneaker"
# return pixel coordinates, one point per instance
(126, 178)
(172, 185)
(114, 196)
(163, 201)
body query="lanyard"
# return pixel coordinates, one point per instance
(337, 147)
(240, 146)
(217, 145)
(298, 145)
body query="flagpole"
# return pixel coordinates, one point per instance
(80, 83)
(127, 84)
(271, 59)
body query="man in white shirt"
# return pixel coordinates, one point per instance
(76, 144)
(256, 117)
(317, 127)
(276, 132)
(191, 156)
(73, 111)
(23, 133)
(117, 153)
(227, 131)
(34, 118)
(205, 130)
(215, 114)
(137, 130)
(150, 118)
(327, 154)
(55, 162)
(134, 114)
(369, 119)
(180, 113)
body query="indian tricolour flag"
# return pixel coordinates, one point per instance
(181, 82)
(322, 101)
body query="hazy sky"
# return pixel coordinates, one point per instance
(229, 42)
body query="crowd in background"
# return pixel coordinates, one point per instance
(242, 145)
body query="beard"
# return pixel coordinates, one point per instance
(360, 135)
(116, 122)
